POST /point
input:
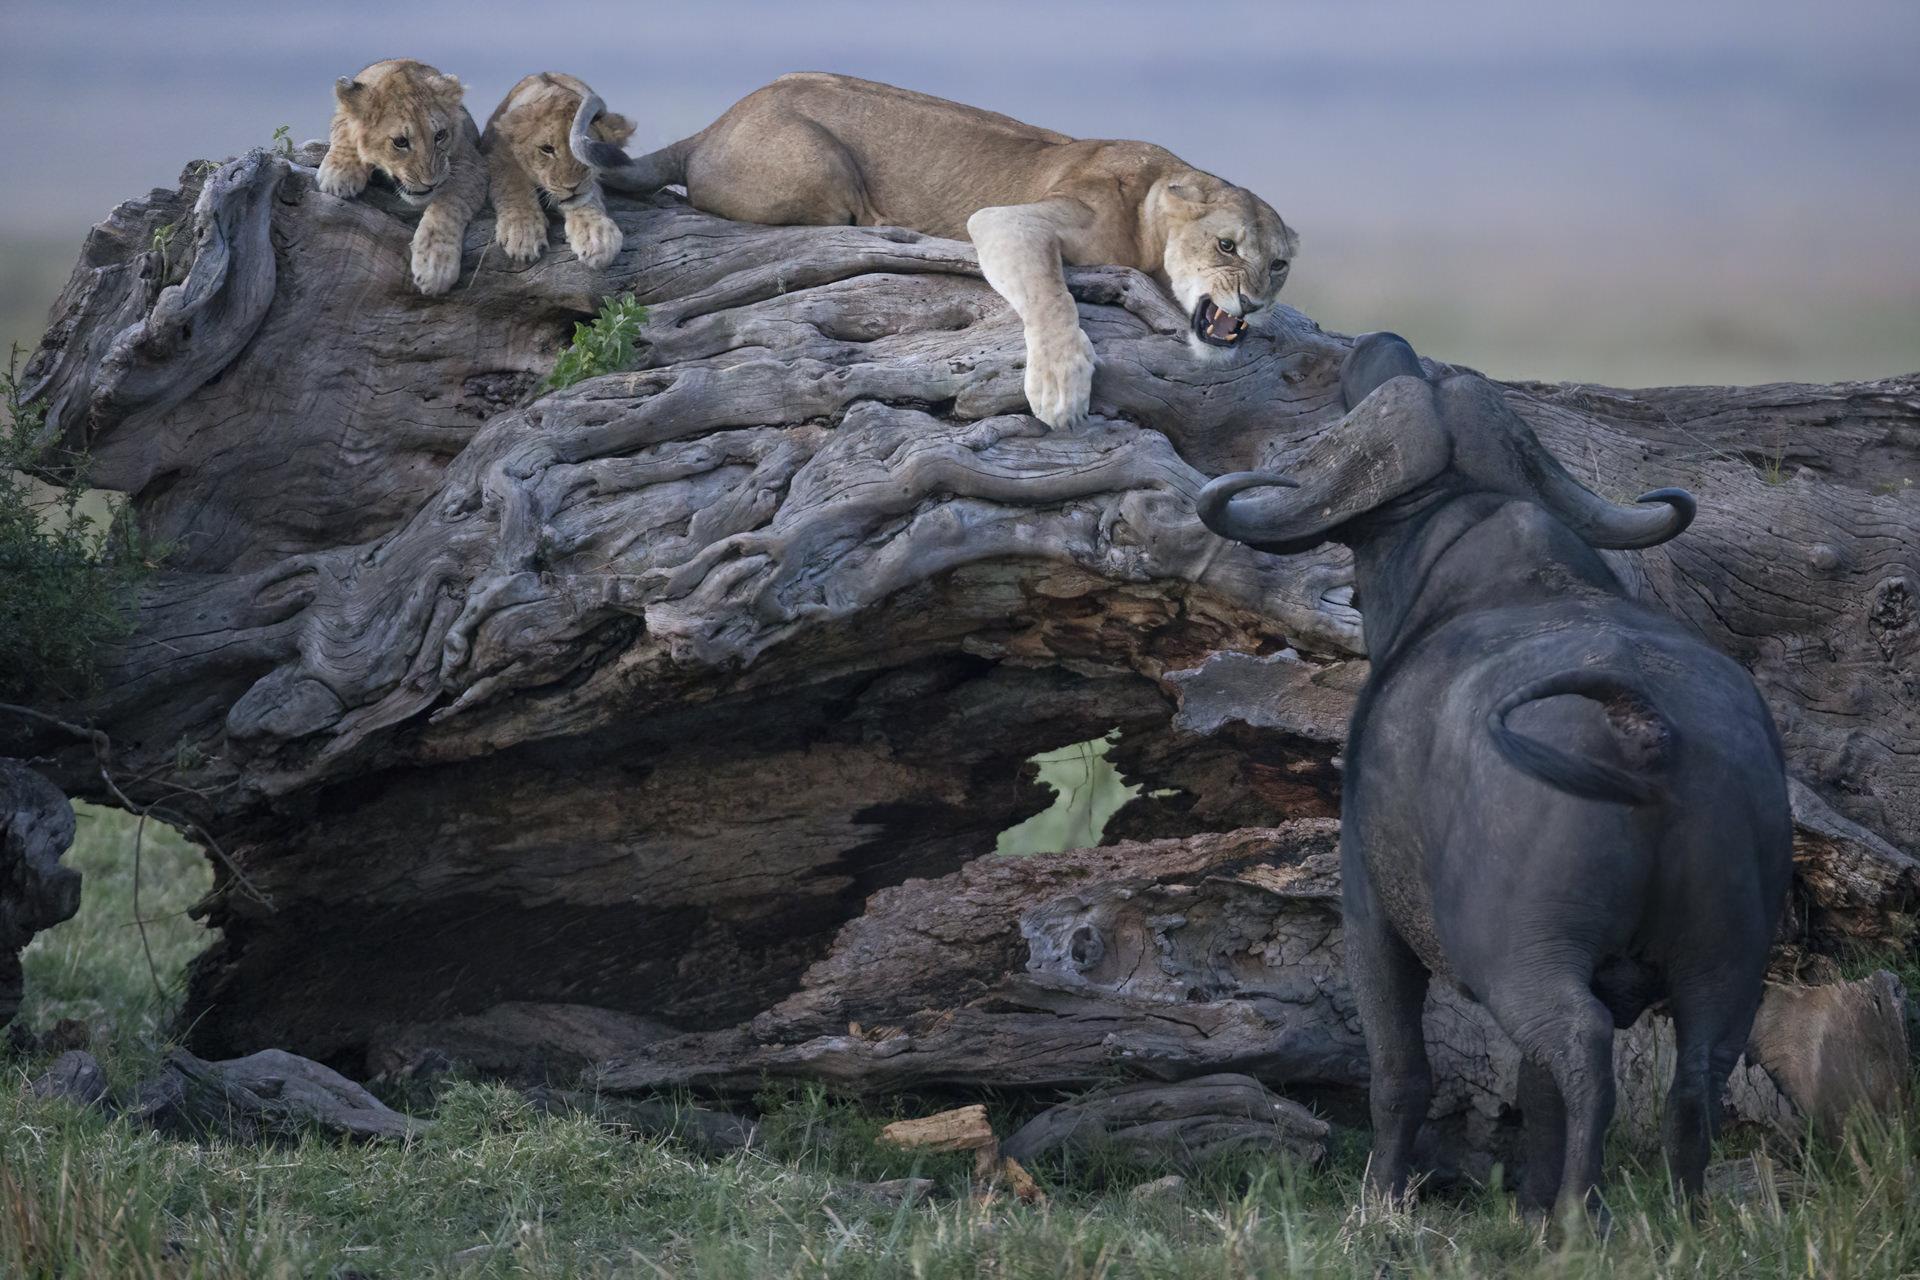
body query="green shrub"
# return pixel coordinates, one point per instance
(66, 573)
(604, 346)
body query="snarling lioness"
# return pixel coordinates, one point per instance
(815, 149)
(405, 119)
(528, 156)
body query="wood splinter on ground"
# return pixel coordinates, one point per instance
(967, 1129)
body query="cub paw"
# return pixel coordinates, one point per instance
(1059, 376)
(436, 265)
(522, 239)
(595, 241)
(336, 180)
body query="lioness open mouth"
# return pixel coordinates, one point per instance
(1216, 327)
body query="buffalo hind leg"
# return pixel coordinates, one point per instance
(1710, 1027)
(1564, 1029)
(1544, 1119)
(1390, 987)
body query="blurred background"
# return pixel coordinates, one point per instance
(1630, 193)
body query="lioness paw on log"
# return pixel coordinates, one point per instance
(1556, 798)
(818, 150)
(404, 118)
(528, 157)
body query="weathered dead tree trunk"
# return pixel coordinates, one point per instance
(614, 707)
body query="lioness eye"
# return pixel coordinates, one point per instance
(439, 135)
(1226, 246)
(401, 144)
(1279, 265)
(546, 148)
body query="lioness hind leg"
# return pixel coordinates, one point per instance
(1020, 248)
(781, 171)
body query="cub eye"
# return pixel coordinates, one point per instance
(439, 135)
(400, 144)
(1226, 247)
(546, 148)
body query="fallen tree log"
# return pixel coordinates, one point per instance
(631, 696)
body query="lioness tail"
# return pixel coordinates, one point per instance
(614, 167)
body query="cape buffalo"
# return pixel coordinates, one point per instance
(1561, 801)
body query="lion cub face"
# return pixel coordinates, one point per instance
(1228, 253)
(534, 121)
(401, 117)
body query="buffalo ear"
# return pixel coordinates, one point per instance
(346, 89)
(612, 128)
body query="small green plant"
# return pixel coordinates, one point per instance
(604, 346)
(162, 238)
(1773, 469)
(283, 140)
(66, 569)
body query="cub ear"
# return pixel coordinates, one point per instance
(612, 128)
(346, 89)
(447, 88)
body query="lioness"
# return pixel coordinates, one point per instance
(817, 149)
(527, 155)
(405, 119)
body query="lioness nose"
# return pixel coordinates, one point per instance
(1248, 306)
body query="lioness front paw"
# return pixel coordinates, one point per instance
(345, 181)
(436, 264)
(1059, 376)
(595, 241)
(522, 239)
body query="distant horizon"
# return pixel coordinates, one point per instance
(1491, 166)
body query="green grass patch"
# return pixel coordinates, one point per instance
(495, 1188)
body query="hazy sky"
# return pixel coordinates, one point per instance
(1687, 146)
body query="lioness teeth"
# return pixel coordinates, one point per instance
(1223, 325)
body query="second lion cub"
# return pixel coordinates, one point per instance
(527, 156)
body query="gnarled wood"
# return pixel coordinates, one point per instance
(630, 696)
(1187, 1124)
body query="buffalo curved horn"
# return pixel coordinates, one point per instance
(1653, 519)
(1215, 505)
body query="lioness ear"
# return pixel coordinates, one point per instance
(1189, 189)
(612, 128)
(346, 89)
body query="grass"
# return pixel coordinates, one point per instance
(495, 1188)
(1087, 791)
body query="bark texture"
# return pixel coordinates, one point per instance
(634, 697)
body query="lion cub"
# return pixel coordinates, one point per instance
(528, 157)
(404, 118)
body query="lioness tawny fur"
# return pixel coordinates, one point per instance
(818, 149)
(405, 119)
